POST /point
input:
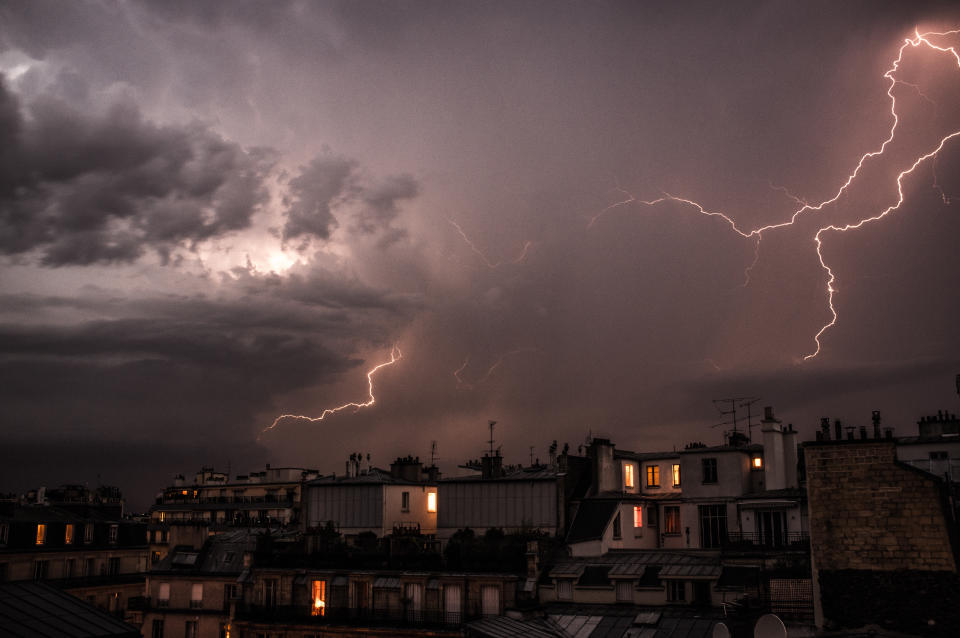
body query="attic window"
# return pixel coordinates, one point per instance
(757, 463)
(628, 475)
(41, 534)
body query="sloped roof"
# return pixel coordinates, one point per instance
(591, 520)
(504, 627)
(37, 610)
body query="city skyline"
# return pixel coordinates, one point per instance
(406, 220)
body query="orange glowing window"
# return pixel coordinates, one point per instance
(675, 470)
(184, 492)
(68, 535)
(757, 462)
(432, 502)
(637, 516)
(41, 534)
(628, 475)
(319, 598)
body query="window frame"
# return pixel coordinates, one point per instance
(711, 474)
(41, 538)
(637, 517)
(404, 501)
(629, 480)
(653, 476)
(676, 591)
(675, 474)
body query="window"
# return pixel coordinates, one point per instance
(432, 502)
(230, 591)
(114, 532)
(40, 569)
(452, 601)
(68, 568)
(163, 595)
(41, 533)
(617, 527)
(88, 567)
(756, 463)
(676, 591)
(113, 566)
(319, 595)
(490, 600)
(624, 591)
(671, 519)
(940, 455)
(4, 533)
(413, 592)
(163, 516)
(3, 572)
(713, 525)
(270, 593)
(405, 502)
(157, 631)
(565, 590)
(88, 533)
(675, 474)
(628, 475)
(709, 470)
(154, 558)
(224, 631)
(653, 476)
(196, 596)
(68, 534)
(637, 516)
(190, 630)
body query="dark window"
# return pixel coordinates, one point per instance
(88, 567)
(405, 501)
(713, 525)
(709, 470)
(617, 527)
(157, 629)
(68, 568)
(270, 593)
(190, 631)
(40, 569)
(113, 566)
(3, 572)
(940, 455)
(4, 533)
(772, 528)
(676, 591)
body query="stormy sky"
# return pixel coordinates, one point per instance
(212, 214)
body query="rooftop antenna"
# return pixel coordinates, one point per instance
(531, 455)
(746, 404)
(433, 453)
(492, 423)
(732, 404)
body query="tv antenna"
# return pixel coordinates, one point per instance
(492, 423)
(433, 453)
(730, 403)
(746, 404)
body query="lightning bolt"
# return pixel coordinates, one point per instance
(483, 257)
(395, 355)
(920, 39)
(499, 362)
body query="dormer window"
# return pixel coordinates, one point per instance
(68, 534)
(653, 476)
(41, 533)
(628, 479)
(756, 463)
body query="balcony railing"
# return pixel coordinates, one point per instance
(280, 499)
(353, 616)
(753, 541)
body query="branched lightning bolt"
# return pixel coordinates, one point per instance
(395, 355)
(920, 39)
(491, 265)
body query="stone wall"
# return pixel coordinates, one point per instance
(868, 512)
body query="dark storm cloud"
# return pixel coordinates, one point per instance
(329, 182)
(82, 188)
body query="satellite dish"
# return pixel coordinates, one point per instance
(720, 631)
(769, 626)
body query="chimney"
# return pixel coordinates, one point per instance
(838, 430)
(825, 428)
(491, 466)
(407, 469)
(774, 468)
(876, 424)
(863, 433)
(790, 457)
(888, 434)
(606, 473)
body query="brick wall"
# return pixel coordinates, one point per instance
(868, 512)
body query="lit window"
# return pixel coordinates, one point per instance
(68, 534)
(41, 534)
(163, 516)
(628, 475)
(675, 472)
(184, 492)
(319, 598)
(405, 501)
(757, 462)
(432, 502)
(653, 476)
(671, 520)
(637, 516)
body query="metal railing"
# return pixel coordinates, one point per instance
(353, 615)
(765, 541)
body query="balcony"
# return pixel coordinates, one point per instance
(353, 616)
(757, 542)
